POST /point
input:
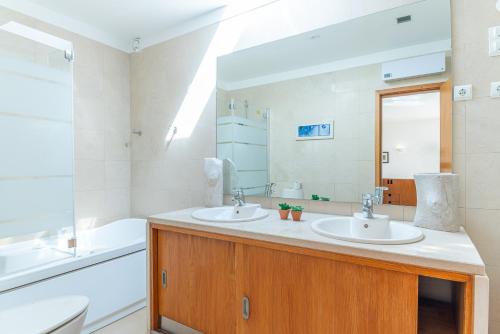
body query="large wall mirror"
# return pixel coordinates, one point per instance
(330, 114)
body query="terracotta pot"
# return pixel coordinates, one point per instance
(284, 214)
(296, 215)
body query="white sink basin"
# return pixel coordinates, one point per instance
(230, 214)
(347, 228)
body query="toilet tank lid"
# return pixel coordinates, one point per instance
(42, 316)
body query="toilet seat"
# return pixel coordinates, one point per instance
(42, 317)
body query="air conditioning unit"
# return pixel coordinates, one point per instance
(414, 67)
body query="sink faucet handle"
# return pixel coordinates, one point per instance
(239, 196)
(366, 197)
(367, 202)
(379, 194)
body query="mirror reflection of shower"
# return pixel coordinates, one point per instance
(243, 139)
(245, 109)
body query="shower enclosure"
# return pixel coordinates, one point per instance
(36, 149)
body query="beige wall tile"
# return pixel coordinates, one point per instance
(459, 128)
(483, 227)
(494, 327)
(89, 145)
(333, 208)
(494, 275)
(117, 205)
(409, 213)
(459, 167)
(483, 124)
(89, 175)
(117, 174)
(89, 208)
(483, 181)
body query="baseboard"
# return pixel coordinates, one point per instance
(103, 322)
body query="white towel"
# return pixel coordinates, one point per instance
(231, 180)
(214, 182)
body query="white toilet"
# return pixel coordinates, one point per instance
(63, 315)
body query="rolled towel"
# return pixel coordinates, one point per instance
(214, 182)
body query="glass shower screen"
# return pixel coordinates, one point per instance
(36, 138)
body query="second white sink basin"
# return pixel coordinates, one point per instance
(340, 228)
(230, 214)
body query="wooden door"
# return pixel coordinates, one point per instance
(298, 294)
(200, 286)
(400, 192)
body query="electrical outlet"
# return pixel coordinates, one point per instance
(462, 93)
(494, 41)
(495, 89)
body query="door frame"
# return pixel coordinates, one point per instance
(446, 122)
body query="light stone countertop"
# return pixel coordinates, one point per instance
(438, 250)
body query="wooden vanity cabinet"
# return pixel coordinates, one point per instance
(196, 285)
(294, 293)
(201, 280)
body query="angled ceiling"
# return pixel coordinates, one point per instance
(117, 22)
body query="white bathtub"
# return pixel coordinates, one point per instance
(109, 268)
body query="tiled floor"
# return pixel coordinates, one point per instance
(136, 323)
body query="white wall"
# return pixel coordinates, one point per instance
(420, 152)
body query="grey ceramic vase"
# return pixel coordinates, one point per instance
(437, 201)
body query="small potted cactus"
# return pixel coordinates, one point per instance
(284, 210)
(297, 213)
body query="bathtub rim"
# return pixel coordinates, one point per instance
(33, 275)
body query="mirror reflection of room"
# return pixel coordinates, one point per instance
(410, 143)
(297, 124)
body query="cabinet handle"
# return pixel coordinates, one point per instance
(164, 279)
(245, 308)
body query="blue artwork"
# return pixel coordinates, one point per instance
(308, 130)
(315, 131)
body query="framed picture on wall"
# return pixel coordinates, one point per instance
(314, 131)
(385, 157)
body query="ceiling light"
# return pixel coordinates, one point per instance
(400, 147)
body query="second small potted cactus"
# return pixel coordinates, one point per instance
(284, 210)
(297, 213)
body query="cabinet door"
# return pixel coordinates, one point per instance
(290, 293)
(200, 288)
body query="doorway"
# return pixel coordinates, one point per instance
(413, 135)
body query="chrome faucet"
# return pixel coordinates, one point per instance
(239, 197)
(368, 200)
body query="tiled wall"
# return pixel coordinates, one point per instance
(345, 168)
(177, 79)
(102, 125)
(162, 75)
(477, 137)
